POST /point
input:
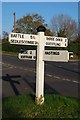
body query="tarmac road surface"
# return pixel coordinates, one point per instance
(19, 77)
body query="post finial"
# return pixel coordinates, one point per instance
(41, 29)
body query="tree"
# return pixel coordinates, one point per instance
(5, 35)
(48, 32)
(64, 26)
(77, 41)
(29, 23)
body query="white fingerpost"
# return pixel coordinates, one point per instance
(41, 41)
(40, 67)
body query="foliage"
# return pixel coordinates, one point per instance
(73, 47)
(64, 26)
(29, 24)
(77, 44)
(55, 106)
(77, 40)
(6, 46)
(5, 35)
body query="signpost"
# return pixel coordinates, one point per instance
(48, 55)
(28, 55)
(56, 55)
(23, 39)
(40, 41)
(56, 41)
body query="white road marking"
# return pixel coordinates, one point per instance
(49, 75)
(11, 67)
(71, 80)
(63, 79)
(56, 77)
(32, 70)
(66, 79)
(75, 81)
(74, 63)
(59, 66)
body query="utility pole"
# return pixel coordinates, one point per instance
(14, 21)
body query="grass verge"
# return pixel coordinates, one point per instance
(8, 52)
(55, 106)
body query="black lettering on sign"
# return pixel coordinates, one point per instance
(36, 43)
(22, 41)
(30, 52)
(50, 43)
(55, 53)
(17, 36)
(20, 36)
(32, 37)
(58, 44)
(24, 56)
(53, 44)
(58, 39)
(65, 40)
(52, 53)
(30, 42)
(65, 44)
(12, 40)
(47, 53)
(14, 35)
(50, 38)
(26, 51)
(34, 57)
(29, 56)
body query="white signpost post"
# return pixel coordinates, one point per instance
(40, 41)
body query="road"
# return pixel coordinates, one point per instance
(19, 77)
